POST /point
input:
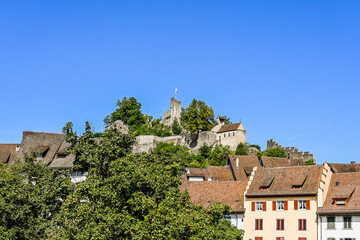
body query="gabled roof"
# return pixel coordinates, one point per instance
(220, 173)
(343, 186)
(226, 192)
(7, 152)
(61, 160)
(283, 180)
(342, 167)
(230, 127)
(38, 142)
(271, 162)
(246, 165)
(197, 172)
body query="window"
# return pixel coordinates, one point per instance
(258, 206)
(302, 238)
(233, 133)
(331, 239)
(330, 222)
(227, 217)
(280, 205)
(302, 225)
(258, 224)
(228, 134)
(340, 202)
(258, 238)
(280, 238)
(302, 204)
(347, 222)
(280, 224)
(224, 134)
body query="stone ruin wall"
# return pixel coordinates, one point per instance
(291, 152)
(146, 143)
(173, 113)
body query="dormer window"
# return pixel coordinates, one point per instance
(41, 151)
(299, 182)
(266, 182)
(340, 202)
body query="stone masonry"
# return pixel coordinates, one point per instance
(291, 152)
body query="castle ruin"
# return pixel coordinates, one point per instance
(291, 152)
(173, 113)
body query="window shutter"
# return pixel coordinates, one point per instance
(264, 206)
(252, 206)
(296, 205)
(307, 204)
(274, 205)
(285, 205)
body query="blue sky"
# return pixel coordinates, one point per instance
(289, 70)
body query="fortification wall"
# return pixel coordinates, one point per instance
(146, 143)
(291, 152)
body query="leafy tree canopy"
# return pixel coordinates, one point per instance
(128, 111)
(310, 162)
(275, 152)
(242, 149)
(138, 197)
(197, 117)
(31, 198)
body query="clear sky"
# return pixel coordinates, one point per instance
(289, 70)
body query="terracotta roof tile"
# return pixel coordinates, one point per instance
(229, 127)
(280, 162)
(229, 192)
(220, 173)
(343, 185)
(284, 179)
(342, 168)
(245, 167)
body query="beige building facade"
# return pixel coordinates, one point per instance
(281, 203)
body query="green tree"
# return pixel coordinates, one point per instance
(98, 154)
(128, 111)
(31, 197)
(275, 152)
(310, 162)
(242, 149)
(139, 198)
(197, 117)
(176, 128)
(218, 155)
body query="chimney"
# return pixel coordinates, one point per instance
(237, 162)
(353, 162)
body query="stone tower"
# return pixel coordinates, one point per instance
(173, 113)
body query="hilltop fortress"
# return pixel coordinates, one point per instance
(230, 135)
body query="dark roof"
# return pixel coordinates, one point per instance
(226, 192)
(222, 118)
(280, 162)
(52, 145)
(229, 127)
(246, 165)
(342, 167)
(7, 152)
(283, 180)
(343, 186)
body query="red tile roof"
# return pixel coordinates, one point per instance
(280, 162)
(228, 192)
(284, 178)
(246, 165)
(229, 127)
(343, 186)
